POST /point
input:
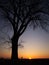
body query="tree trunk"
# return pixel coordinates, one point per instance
(14, 48)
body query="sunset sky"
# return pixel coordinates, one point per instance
(36, 42)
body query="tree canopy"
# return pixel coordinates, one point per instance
(21, 13)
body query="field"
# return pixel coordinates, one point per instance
(24, 62)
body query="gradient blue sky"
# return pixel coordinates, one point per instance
(36, 43)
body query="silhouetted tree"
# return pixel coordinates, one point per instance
(20, 14)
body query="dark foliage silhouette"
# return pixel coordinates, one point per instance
(20, 14)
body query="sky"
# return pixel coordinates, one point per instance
(36, 42)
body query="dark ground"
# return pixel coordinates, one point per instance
(24, 62)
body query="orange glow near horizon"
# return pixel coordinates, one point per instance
(25, 56)
(34, 57)
(30, 58)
